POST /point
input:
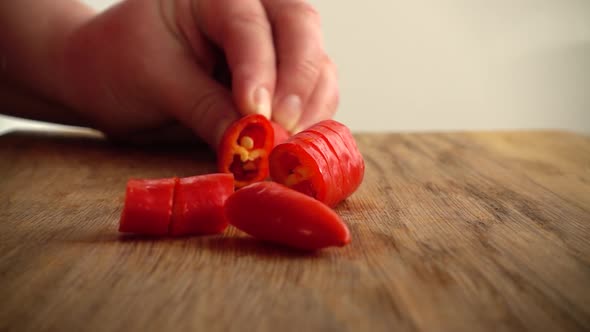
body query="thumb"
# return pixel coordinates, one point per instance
(197, 100)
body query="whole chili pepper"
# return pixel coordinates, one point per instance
(322, 161)
(272, 212)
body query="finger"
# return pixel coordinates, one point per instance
(196, 100)
(300, 55)
(241, 28)
(324, 101)
(179, 20)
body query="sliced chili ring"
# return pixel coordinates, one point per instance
(296, 166)
(333, 178)
(354, 164)
(198, 204)
(341, 153)
(148, 206)
(245, 148)
(333, 144)
(337, 158)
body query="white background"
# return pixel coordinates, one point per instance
(458, 64)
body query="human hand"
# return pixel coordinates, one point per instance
(146, 65)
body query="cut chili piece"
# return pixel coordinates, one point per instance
(148, 206)
(352, 160)
(244, 149)
(325, 157)
(322, 154)
(272, 212)
(294, 166)
(198, 204)
(341, 155)
(281, 134)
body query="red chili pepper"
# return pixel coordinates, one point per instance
(272, 212)
(148, 206)
(281, 134)
(323, 162)
(198, 204)
(244, 149)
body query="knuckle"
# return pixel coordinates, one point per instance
(307, 69)
(332, 69)
(203, 108)
(330, 75)
(299, 10)
(334, 102)
(247, 21)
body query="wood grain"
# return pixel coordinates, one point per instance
(451, 232)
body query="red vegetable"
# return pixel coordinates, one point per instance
(198, 204)
(244, 149)
(272, 212)
(148, 206)
(281, 134)
(323, 162)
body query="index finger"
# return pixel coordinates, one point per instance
(242, 30)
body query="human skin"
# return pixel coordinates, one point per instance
(145, 67)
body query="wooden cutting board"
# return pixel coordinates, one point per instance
(454, 232)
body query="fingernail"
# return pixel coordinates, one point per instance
(289, 112)
(261, 101)
(298, 129)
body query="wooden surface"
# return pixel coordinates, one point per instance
(451, 232)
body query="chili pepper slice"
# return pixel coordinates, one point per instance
(272, 212)
(244, 149)
(323, 156)
(198, 204)
(341, 158)
(352, 162)
(281, 134)
(294, 165)
(148, 206)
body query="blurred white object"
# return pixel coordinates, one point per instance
(458, 64)
(100, 4)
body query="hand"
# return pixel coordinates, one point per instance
(146, 65)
